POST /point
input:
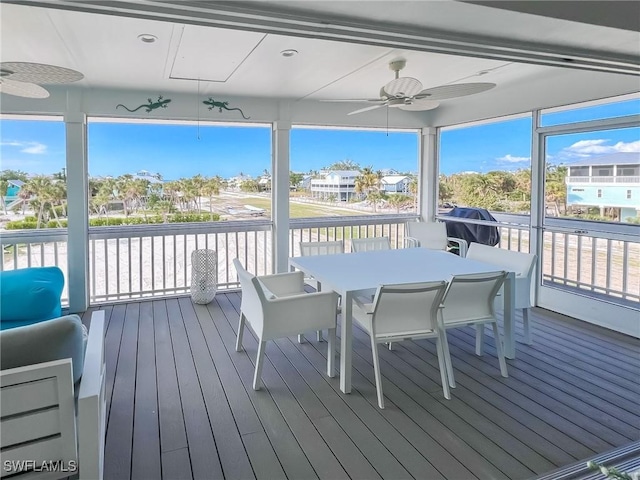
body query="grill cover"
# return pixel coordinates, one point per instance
(470, 232)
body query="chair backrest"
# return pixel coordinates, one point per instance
(368, 244)
(470, 297)
(406, 308)
(38, 417)
(252, 297)
(521, 263)
(431, 235)
(321, 248)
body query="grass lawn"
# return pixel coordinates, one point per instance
(298, 210)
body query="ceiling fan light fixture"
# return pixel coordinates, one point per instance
(289, 52)
(403, 87)
(22, 89)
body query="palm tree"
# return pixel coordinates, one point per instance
(212, 187)
(399, 200)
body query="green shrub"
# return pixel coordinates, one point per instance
(30, 219)
(54, 224)
(20, 225)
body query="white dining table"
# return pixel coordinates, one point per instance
(355, 274)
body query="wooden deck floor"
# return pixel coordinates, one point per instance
(181, 406)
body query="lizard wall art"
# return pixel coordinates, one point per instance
(220, 105)
(161, 103)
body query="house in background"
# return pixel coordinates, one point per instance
(13, 188)
(338, 184)
(606, 182)
(395, 183)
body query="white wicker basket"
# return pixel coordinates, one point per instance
(204, 274)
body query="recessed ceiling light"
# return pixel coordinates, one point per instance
(147, 38)
(290, 52)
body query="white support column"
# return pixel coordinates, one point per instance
(538, 207)
(78, 211)
(280, 194)
(428, 174)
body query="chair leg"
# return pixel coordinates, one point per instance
(319, 335)
(240, 332)
(300, 338)
(499, 350)
(390, 345)
(447, 358)
(376, 371)
(527, 327)
(443, 368)
(331, 353)
(480, 339)
(259, 363)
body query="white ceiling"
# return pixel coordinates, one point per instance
(189, 57)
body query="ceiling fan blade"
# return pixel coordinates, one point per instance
(444, 92)
(420, 105)
(403, 87)
(366, 109)
(22, 89)
(38, 73)
(352, 100)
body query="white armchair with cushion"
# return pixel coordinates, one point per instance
(52, 396)
(432, 235)
(523, 265)
(402, 312)
(276, 306)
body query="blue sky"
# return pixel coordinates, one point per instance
(176, 151)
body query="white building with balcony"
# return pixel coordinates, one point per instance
(606, 182)
(335, 184)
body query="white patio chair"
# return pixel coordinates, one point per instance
(403, 312)
(369, 244)
(319, 248)
(523, 265)
(469, 300)
(432, 235)
(277, 306)
(42, 419)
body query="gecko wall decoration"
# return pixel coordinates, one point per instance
(220, 105)
(161, 103)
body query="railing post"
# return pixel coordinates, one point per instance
(78, 211)
(280, 194)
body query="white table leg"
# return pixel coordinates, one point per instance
(509, 316)
(345, 342)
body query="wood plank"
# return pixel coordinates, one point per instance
(113, 336)
(172, 432)
(122, 401)
(146, 427)
(312, 365)
(205, 462)
(263, 458)
(233, 457)
(586, 413)
(176, 465)
(451, 432)
(446, 463)
(278, 412)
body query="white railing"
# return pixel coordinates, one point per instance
(155, 260)
(621, 179)
(603, 263)
(346, 228)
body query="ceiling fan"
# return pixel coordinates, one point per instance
(406, 93)
(24, 79)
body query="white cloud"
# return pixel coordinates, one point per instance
(587, 148)
(32, 148)
(511, 159)
(35, 148)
